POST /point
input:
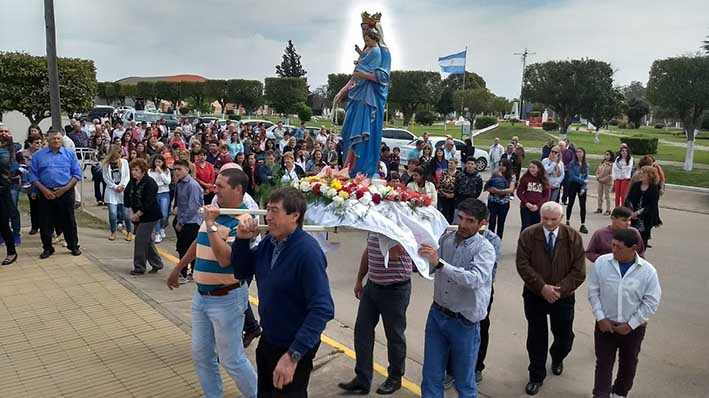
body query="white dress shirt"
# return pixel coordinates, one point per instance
(547, 232)
(632, 298)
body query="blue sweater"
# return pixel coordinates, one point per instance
(576, 175)
(295, 302)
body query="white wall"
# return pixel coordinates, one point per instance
(18, 124)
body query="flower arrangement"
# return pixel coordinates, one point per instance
(333, 187)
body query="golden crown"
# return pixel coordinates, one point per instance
(371, 19)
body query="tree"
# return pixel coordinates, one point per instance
(290, 66)
(705, 47)
(335, 82)
(125, 91)
(476, 100)
(196, 95)
(500, 105)
(602, 111)
(247, 93)
(217, 90)
(455, 82)
(681, 85)
(284, 94)
(169, 91)
(636, 109)
(147, 90)
(409, 89)
(567, 87)
(107, 91)
(446, 102)
(24, 85)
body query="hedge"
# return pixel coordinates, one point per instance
(424, 118)
(234, 117)
(305, 113)
(484, 121)
(641, 144)
(550, 126)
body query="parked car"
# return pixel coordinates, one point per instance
(482, 158)
(397, 137)
(139, 117)
(100, 112)
(254, 122)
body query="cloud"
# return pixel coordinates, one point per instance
(245, 39)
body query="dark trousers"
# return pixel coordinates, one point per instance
(185, 237)
(99, 184)
(528, 217)
(144, 250)
(561, 317)
(267, 357)
(498, 215)
(389, 302)
(484, 335)
(250, 322)
(6, 207)
(447, 207)
(34, 211)
(58, 214)
(628, 348)
(564, 188)
(574, 190)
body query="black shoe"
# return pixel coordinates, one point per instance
(533, 387)
(154, 270)
(134, 272)
(75, 252)
(10, 259)
(46, 253)
(478, 376)
(250, 336)
(33, 232)
(389, 386)
(354, 387)
(557, 367)
(583, 229)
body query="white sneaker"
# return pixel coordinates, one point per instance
(181, 280)
(162, 233)
(158, 238)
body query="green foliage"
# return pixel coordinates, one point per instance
(641, 144)
(455, 82)
(659, 125)
(500, 105)
(290, 66)
(216, 89)
(184, 110)
(446, 103)
(425, 117)
(335, 82)
(605, 108)
(705, 122)
(340, 119)
(632, 125)
(169, 91)
(147, 91)
(637, 108)
(247, 93)
(476, 100)
(409, 89)
(305, 113)
(234, 117)
(284, 94)
(484, 121)
(550, 126)
(535, 114)
(24, 85)
(568, 87)
(614, 122)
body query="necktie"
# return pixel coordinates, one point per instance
(550, 244)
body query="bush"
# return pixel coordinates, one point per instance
(484, 121)
(424, 117)
(622, 124)
(340, 117)
(632, 125)
(641, 144)
(550, 126)
(535, 114)
(184, 110)
(614, 122)
(705, 123)
(305, 113)
(660, 126)
(234, 117)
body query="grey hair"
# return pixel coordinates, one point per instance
(551, 206)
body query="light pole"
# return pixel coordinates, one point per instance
(52, 64)
(524, 66)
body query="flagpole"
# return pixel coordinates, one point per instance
(465, 63)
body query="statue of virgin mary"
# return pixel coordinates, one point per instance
(366, 101)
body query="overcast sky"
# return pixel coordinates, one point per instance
(245, 39)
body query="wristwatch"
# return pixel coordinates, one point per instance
(438, 265)
(212, 229)
(295, 355)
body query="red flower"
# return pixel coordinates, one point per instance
(360, 192)
(316, 188)
(405, 196)
(427, 201)
(376, 198)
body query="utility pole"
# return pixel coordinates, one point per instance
(52, 64)
(524, 66)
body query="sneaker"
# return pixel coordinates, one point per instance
(121, 227)
(583, 229)
(190, 277)
(448, 382)
(607, 213)
(181, 280)
(158, 238)
(162, 233)
(598, 211)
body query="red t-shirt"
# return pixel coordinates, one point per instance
(205, 174)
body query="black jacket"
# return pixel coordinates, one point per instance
(143, 196)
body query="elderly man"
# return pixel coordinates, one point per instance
(54, 172)
(496, 151)
(450, 152)
(624, 292)
(78, 136)
(551, 262)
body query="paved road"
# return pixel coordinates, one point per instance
(672, 363)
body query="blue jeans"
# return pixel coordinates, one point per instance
(164, 203)
(217, 323)
(116, 213)
(458, 338)
(15, 213)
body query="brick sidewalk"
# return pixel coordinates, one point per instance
(69, 329)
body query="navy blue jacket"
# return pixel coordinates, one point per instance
(295, 303)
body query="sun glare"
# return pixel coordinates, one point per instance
(353, 35)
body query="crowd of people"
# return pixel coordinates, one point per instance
(145, 174)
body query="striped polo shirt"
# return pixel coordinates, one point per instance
(208, 273)
(399, 270)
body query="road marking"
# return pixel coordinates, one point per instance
(407, 384)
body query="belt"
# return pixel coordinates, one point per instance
(447, 312)
(222, 291)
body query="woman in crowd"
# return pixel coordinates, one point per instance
(518, 161)
(578, 185)
(394, 179)
(315, 163)
(141, 196)
(162, 176)
(140, 151)
(195, 147)
(440, 164)
(177, 139)
(126, 144)
(643, 199)
(8, 170)
(605, 182)
(533, 191)
(240, 159)
(251, 170)
(205, 175)
(290, 145)
(116, 175)
(132, 155)
(235, 145)
(291, 171)
(223, 158)
(554, 168)
(649, 160)
(421, 185)
(301, 157)
(271, 146)
(621, 172)
(446, 190)
(426, 160)
(500, 187)
(101, 146)
(34, 143)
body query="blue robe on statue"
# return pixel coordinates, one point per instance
(364, 117)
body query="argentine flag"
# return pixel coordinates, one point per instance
(453, 64)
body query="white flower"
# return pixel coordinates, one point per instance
(329, 192)
(366, 199)
(294, 183)
(338, 201)
(305, 186)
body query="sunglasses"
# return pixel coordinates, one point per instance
(554, 151)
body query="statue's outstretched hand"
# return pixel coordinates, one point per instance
(359, 50)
